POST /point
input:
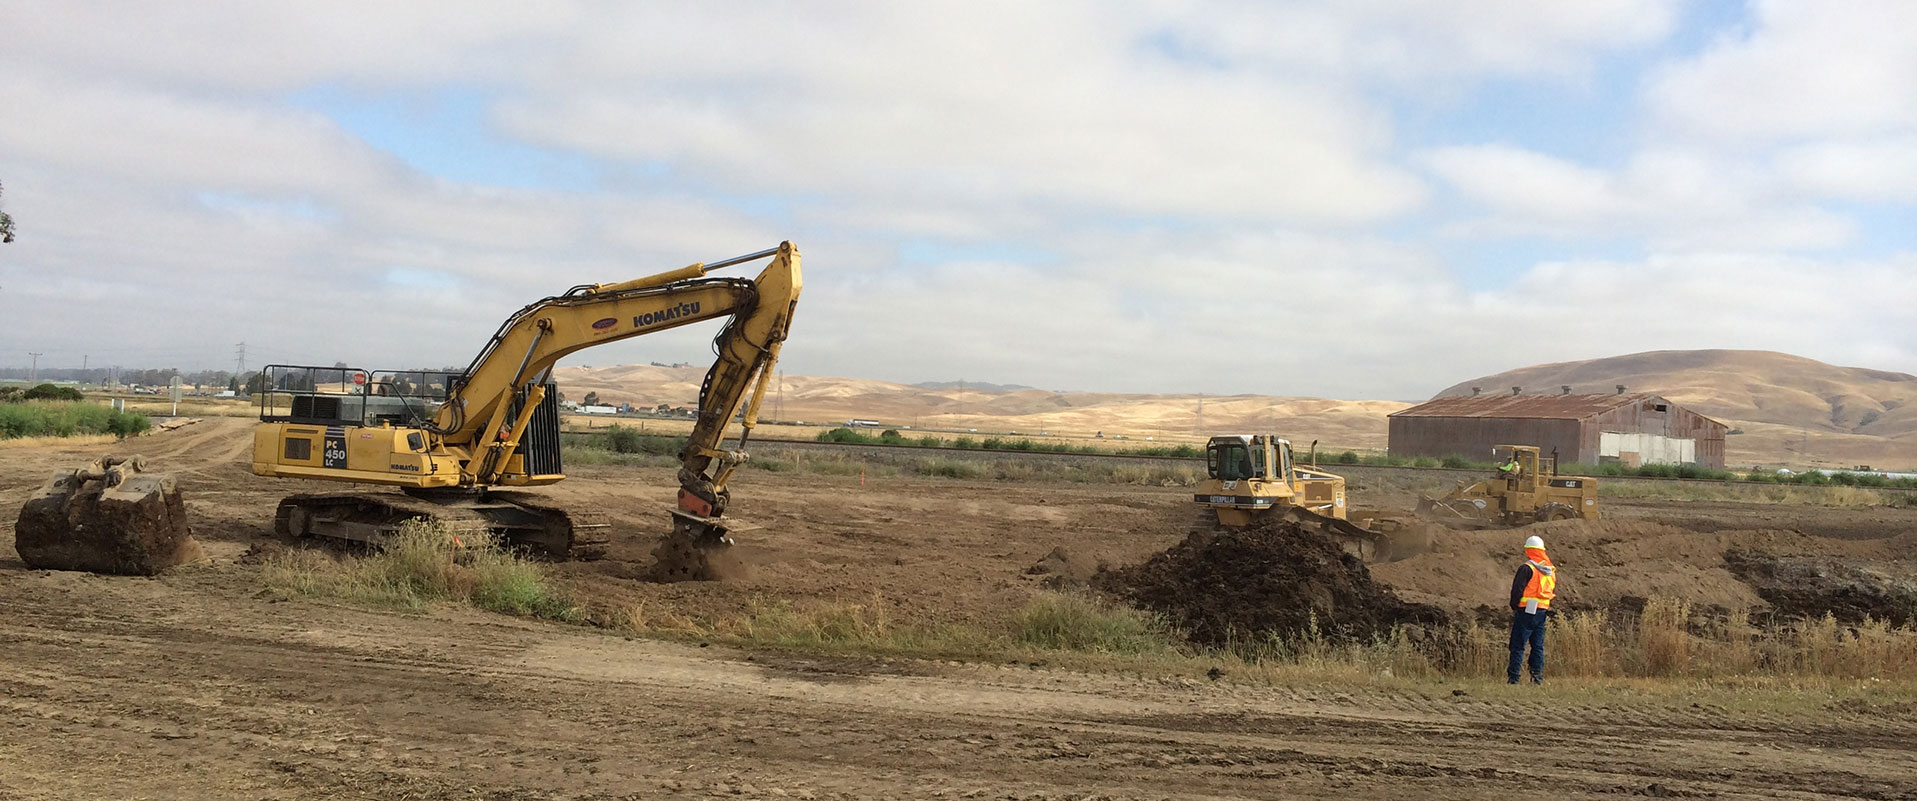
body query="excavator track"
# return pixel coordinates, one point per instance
(520, 520)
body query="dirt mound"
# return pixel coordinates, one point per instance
(1275, 579)
(1063, 568)
(678, 558)
(1810, 587)
(107, 517)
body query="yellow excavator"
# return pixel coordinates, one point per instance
(1251, 478)
(1527, 490)
(452, 441)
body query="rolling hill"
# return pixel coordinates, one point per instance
(1345, 424)
(1788, 409)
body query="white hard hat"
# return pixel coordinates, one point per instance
(1534, 541)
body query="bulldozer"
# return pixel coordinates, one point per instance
(458, 445)
(110, 516)
(1252, 478)
(1527, 490)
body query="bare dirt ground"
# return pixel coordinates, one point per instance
(198, 684)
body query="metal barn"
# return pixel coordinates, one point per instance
(1632, 428)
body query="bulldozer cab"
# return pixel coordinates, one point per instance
(1243, 458)
(1523, 466)
(1527, 489)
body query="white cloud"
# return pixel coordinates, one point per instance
(1875, 170)
(1415, 42)
(1225, 218)
(1671, 199)
(1804, 70)
(1042, 104)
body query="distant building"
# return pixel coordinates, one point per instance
(1632, 428)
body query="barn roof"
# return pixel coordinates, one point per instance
(1540, 407)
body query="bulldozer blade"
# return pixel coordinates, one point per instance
(107, 517)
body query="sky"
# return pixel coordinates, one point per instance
(1364, 199)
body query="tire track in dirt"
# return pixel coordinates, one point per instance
(341, 700)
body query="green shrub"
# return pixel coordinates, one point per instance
(625, 439)
(1455, 461)
(847, 436)
(53, 392)
(66, 419)
(952, 468)
(1348, 457)
(965, 442)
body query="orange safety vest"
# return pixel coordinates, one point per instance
(1544, 580)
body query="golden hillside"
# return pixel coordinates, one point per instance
(1343, 424)
(1792, 410)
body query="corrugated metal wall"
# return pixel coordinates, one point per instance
(1644, 417)
(1472, 437)
(1576, 439)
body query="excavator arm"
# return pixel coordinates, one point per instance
(521, 355)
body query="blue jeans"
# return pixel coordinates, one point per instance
(1527, 628)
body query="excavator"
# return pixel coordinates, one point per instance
(454, 442)
(1251, 478)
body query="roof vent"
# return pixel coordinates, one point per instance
(1476, 391)
(1564, 389)
(1620, 389)
(1517, 390)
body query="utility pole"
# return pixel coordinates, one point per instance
(33, 374)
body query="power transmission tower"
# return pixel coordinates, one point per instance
(33, 374)
(240, 352)
(1201, 413)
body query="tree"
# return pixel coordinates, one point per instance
(52, 392)
(6, 223)
(592, 399)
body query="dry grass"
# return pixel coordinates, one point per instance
(1751, 492)
(426, 562)
(1668, 644)
(77, 439)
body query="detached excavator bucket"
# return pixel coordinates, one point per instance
(107, 517)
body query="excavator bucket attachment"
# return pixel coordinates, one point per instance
(698, 549)
(1456, 513)
(107, 517)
